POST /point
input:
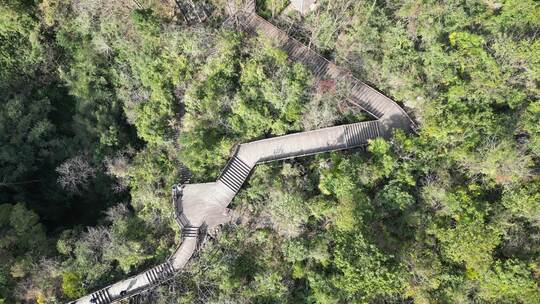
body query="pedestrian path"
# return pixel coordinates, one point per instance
(203, 206)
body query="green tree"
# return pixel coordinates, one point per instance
(272, 94)
(531, 124)
(28, 137)
(509, 281)
(20, 49)
(72, 285)
(22, 243)
(366, 273)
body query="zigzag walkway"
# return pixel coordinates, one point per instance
(205, 205)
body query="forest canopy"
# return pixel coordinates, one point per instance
(105, 105)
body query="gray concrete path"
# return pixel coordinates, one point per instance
(202, 206)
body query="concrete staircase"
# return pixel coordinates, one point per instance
(359, 134)
(101, 297)
(159, 273)
(234, 174)
(190, 232)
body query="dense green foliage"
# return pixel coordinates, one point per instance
(103, 107)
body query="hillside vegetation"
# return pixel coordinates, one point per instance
(105, 105)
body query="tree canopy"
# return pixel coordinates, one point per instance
(105, 105)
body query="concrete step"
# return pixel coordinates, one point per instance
(359, 134)
(188, 232)
(101, 297)
(250, 6)
(235, 174)
(159, 273)
(319, 66)
(288, 47)
(299, 52)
